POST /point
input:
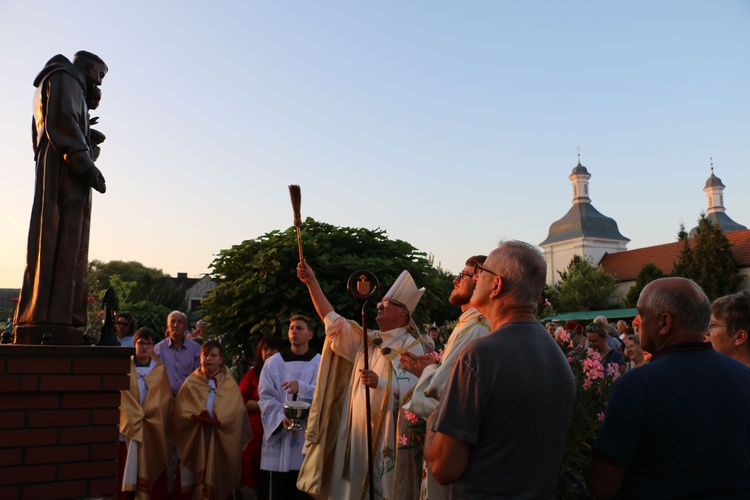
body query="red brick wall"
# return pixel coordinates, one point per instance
(59, 420)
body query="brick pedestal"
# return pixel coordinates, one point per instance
(59, 415)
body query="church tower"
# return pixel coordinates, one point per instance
(716, 212)
(582, 231)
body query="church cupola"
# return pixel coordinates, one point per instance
(714, 193)
(715, 211)
(582, 231)
(580, 179)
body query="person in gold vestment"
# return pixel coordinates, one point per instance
(144, 414)
(336, 444)
(210, 428)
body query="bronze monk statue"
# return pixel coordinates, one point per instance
(55, 283)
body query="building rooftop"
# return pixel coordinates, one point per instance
(583, 220)
(725, 222)
(627, 264)
(713, 181)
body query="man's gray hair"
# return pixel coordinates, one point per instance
(691, 312)
(524, 271)
(184, 316)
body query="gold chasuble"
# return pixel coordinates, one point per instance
(331, 391)
(330, 411)
(216, 468)
(146, 426)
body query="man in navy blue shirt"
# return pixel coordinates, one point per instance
(679, 426)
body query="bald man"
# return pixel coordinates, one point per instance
(680, 425)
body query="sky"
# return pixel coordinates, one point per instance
(450, 125)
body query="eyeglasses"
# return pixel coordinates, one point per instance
(464, 275)
(478, 268)
(386, 303)
(122, 323)
(145, 344)
(593, 327)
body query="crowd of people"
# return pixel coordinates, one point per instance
(494, 402)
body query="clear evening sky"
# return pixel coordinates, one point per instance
(451, 125)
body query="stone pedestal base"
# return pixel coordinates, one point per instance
(36, 335)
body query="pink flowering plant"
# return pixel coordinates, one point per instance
(95, 316)
(413, 438)
(8, 311)
(437, 355)
(593, 387)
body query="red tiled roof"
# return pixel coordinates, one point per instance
(626, 265)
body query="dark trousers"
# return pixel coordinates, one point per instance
(280, 486)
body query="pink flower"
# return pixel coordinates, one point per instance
(403, 440)
(592, 366)
(438, 355)
(411, 417)
(91, 299)
(600, 416)
(613, 370)
(564, 336)
(547, 303)
(594, 355)
(15, 300)
(587, 384)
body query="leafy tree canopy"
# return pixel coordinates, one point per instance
(682, 235)
(708, 260)
(258, 290)
(145, 292)
(583, 286)
(148, 284)
(648, 274)
(547, 305)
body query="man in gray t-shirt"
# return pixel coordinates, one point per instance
(500, 428)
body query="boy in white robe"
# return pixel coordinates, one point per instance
(287, 375)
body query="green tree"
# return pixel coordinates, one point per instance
(145, 284)
(685, 260)
(145, 292)
(548, 302)
(258, 291)
(708, 260)
(584, 286)
(682, 235)
(648, 274)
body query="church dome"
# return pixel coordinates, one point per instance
(583, 220)
(713, 181)
(716, 212)
(725, 222)
(579, 169)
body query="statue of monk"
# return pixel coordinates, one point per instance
(55, 282)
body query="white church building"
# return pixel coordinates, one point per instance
(586, 232)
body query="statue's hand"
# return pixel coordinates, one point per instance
(96, 136)
(96, 180)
